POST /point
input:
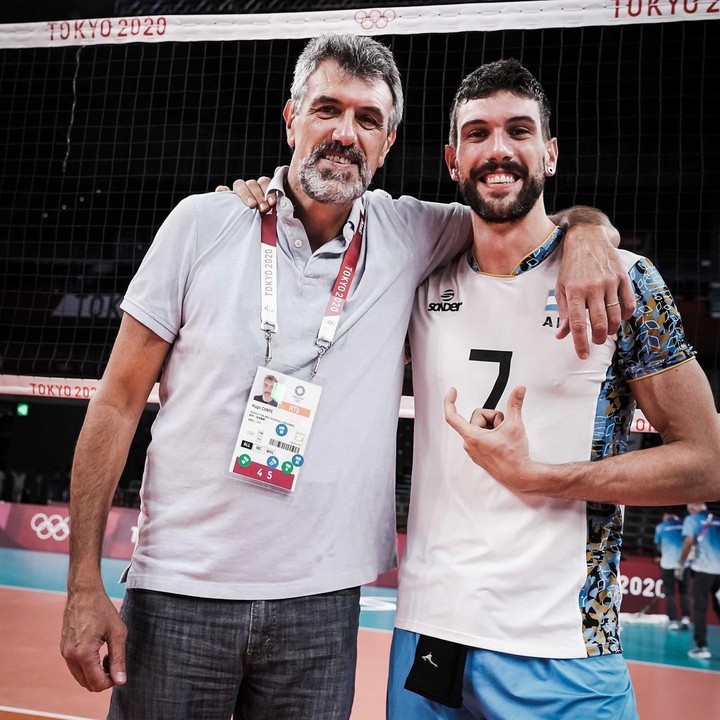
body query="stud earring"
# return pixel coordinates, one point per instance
(550, 170)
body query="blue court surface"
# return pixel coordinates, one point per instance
(645, 639)
(35, 570)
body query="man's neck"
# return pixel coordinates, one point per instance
(322, 221)
(500, 247)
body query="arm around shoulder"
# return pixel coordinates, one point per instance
(585, 215)
(435, 233)
(592, 278)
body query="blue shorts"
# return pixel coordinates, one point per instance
(498, 686)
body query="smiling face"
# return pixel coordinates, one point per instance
(501, 158)
(339, 134)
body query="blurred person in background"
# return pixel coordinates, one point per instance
(701, 545)
(676, 578)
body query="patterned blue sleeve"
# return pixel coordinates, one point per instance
(653, 339)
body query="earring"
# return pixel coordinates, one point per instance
(550, 170)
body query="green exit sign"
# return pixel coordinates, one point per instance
(23, 410)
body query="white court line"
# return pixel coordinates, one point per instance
(38, 713)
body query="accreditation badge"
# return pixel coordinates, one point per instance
(270, 448)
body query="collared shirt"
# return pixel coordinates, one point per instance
(202, 533)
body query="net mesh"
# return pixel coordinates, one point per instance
(101, 141)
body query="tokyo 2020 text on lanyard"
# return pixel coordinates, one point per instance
(269, 287)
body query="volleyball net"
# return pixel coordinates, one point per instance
(107, 123)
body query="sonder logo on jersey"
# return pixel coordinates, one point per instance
(446, 304)
(551, 306)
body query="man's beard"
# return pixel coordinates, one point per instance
(334, 187)
(500, 211)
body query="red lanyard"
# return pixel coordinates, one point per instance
(338, 296)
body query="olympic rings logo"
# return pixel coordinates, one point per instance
(375, 18)
(54, 526)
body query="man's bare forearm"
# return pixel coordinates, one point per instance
(585, 215)
(672, 474)
(100, 457)
(685, 468)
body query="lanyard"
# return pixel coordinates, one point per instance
(268, 287)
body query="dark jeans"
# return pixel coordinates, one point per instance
(201, 659)
(670, 582)
(704, 586)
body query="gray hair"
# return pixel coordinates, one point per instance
(495, 77)
(360, 57)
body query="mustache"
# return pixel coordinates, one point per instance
(331, 147)
(493, 167)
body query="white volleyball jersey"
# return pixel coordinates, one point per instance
(483, 566)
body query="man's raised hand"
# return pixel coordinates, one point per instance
(495, 441)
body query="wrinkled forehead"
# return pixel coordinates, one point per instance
(330, 81)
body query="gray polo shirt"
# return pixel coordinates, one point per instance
(202, 533)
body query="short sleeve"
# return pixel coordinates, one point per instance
(654, 338)
(155, 294)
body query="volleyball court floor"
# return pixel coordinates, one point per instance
(35, 683)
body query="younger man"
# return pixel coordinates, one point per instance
(701, 533)
(508, 597)
(675, 577)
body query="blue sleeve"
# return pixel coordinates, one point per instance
(653, 339)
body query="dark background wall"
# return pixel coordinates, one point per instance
(100, 142)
